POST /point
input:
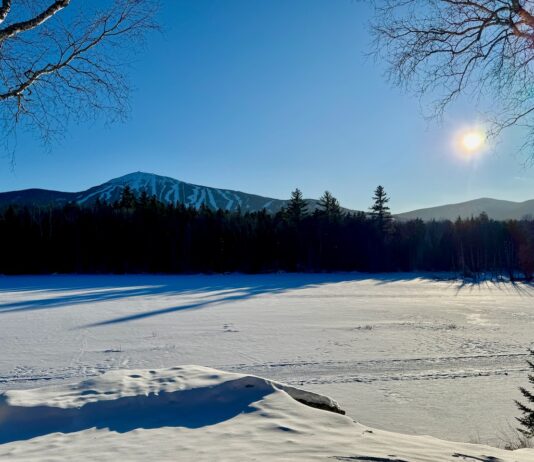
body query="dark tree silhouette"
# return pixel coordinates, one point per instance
(63, 60)
(128, 199)
(329, 205)
(380, 210)
(143, 234)
(450, 47)
(297, 208)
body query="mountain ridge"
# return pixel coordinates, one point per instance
(497, 209)
(166, 189)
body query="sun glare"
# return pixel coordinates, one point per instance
(472, 141)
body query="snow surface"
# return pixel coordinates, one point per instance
(399, 352)
(197, 413)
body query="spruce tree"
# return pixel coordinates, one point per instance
(127, 199)
(379, 210)
(527, 420)
(144, 199)
(329, 205)
(297, 207)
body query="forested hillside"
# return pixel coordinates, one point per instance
(142, 234)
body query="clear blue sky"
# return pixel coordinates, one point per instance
(263, 96)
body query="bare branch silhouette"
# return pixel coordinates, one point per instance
(453, 47)
(65, 60)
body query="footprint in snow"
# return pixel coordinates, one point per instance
(229, 328)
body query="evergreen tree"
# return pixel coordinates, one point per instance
(170, 238)
(127, 199)
(297, 207)
(329, 205)
(144, 199)
(379, 210)
(527, 420)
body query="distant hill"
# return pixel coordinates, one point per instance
(166, 189)
(496, 209)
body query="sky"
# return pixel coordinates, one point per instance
(264, 96)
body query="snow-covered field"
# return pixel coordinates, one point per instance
(397, 352)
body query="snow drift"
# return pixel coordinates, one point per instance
(197, 413)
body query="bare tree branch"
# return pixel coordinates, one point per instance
(483, 49)
(30, 24)
(4, 10)
(55, 68)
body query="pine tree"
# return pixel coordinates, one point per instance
(329, 205)
(527, 420)
(297, 207)
(379, 210)
(144, 199)
(127, 199)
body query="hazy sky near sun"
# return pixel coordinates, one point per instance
(265, 96)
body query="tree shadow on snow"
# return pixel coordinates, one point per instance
(460, 284)
(394, 459)
(50, 292)
(477, 458)
(46, 292)
(523, 288)
(191, 292)
(370, 459)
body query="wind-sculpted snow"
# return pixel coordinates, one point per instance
(121, 401)
(197, 413)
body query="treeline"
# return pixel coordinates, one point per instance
(141, 234)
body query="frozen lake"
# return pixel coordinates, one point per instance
(398, 352)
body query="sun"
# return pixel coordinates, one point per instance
(472, 141)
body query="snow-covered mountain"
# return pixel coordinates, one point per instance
(496, 209)
(166, 189)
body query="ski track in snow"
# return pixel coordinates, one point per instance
(390, 349)
(296, 373)
(212, 199)
(105, 193)
(193, 197)
(229, 202)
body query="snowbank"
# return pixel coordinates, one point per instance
(197, 413)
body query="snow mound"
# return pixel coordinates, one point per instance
(188, 396)
(197, 413)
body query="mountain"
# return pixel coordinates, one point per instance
(496, 209)
(166, 189)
